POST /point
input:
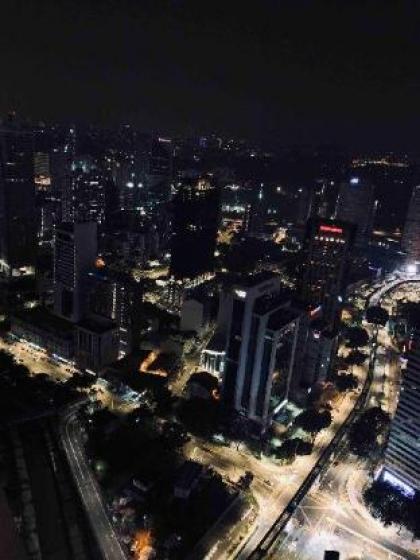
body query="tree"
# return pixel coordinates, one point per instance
(386, 503)
(313, 421)
(356, 337)
(377, 315)
(345, 382)
(304, 447)
(365, 432)
(200, 416)
(355, 358)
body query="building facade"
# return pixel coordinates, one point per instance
(411, 237)
(75, 252)
(17, 201)
(356, 205)
(402, 456)
(194, 228)
(261, 339)
(327, 248)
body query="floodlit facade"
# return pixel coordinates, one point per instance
(327, 245)
(261, 341)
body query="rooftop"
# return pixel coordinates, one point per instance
(98, 325)
(282, 317)
(45, 320)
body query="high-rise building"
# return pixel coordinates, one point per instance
(75, 251)
(411, 236)
(194, 228)
(118, 297)
(327, 249)
(261, 335)
(356, 205)
(402, 456)
(42, 171)
(158, 169)
(17, 201)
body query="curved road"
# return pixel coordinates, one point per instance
(87, 487)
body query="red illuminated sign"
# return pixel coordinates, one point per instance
(331, 229)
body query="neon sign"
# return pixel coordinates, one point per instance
(331, 229)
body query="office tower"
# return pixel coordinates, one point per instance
(61, 161)
(261, 334)
(402, 455)
(75, 251)
(158, 169)
(327, 249)
(194, 228)
(17, 201)
(42, 171)
(320, 344)
(305, 196)
(356, 205)
(411, 236)
(89, 196)
(255, 213)
(118, 297)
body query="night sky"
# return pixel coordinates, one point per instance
(344, 72)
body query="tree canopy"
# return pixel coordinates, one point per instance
(345, 382)
(365, 432)
(313, 421)
(377, 315)
(356, 337)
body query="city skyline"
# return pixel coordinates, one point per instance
(179, 67)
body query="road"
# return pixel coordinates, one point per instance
(88, 488)
(36, 359)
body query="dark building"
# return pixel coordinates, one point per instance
(194, 228)
(75, 251)
(117, 297)
(327, 247)
(17, 200)
(411, 237)
(356, 205)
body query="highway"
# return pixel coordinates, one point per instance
(88, 488)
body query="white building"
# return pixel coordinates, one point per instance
(261, 339)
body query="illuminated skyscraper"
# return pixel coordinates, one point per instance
(194, 228)
(356, 205)
(261, 332)
(17, 200)
(327, 250)
(411, 237)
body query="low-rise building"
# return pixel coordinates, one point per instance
(40, 327)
